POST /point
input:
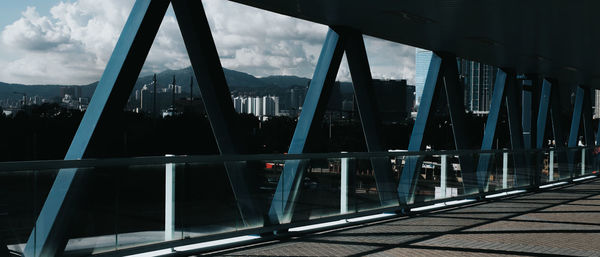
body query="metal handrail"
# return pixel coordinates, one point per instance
(214, 159)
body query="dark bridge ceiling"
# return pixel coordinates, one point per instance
(559, 39)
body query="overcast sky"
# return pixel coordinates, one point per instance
(70, 42)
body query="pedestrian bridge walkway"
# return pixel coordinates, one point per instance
(557, 222)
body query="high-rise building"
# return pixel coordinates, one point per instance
(260, 106)
(478, 81)
(237, 103)
(297, 95)
(270, 106)
(146, 103)
(422, 60)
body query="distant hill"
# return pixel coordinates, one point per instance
(286, 81)
(235, 79)
(17, 90)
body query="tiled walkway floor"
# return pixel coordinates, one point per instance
(559, 222)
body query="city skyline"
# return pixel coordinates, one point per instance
(69, 42)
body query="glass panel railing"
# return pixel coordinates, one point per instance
(18, 208)
(134, 202)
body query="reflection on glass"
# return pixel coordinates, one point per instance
(123, 206)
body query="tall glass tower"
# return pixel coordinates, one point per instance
(422, 60)
(477, 80)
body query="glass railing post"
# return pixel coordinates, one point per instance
(443, 176)
(505, 170)
(344, 186)
(582, 161)
(551, 166)
(169, 200)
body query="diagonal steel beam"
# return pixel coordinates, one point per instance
(522, 175)
(576, 118)
(48, 237)
(218, 104)
(412, 164)
(588, 127)
(483, 166)
(369, 115)
(457, 118)
(578, 107)
(315, 103)
(542, 118)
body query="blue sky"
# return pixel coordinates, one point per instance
(12, 9)
(70, 42)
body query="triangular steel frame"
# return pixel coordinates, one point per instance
(48, 237)
(442, 76)
(338, 41)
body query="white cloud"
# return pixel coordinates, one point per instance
(264, 43)
(389, 60)
(73, 44)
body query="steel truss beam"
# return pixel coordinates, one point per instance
(315, 103)
(456, 109)
(217, 103)
(581, 114)
(337, 41)
(509, 91)
(576, 117)
(443, 71)
(484, 164)
(48, 237)
(369, 115)
(542, 120)
(512, 96)
(529, 99)
(588, 127)
(531, 95)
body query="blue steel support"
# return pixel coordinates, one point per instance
(588, 127)
(282, 205)
(217, 103)
(483, 167)
(575, 123)
(576, 118)
(369, 116)
(457, 118)
(412, 164)
(516, 133)
(542, 118)
(48, 237)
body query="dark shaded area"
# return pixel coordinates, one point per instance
(44, 132)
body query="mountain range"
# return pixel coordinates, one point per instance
(235, 80)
